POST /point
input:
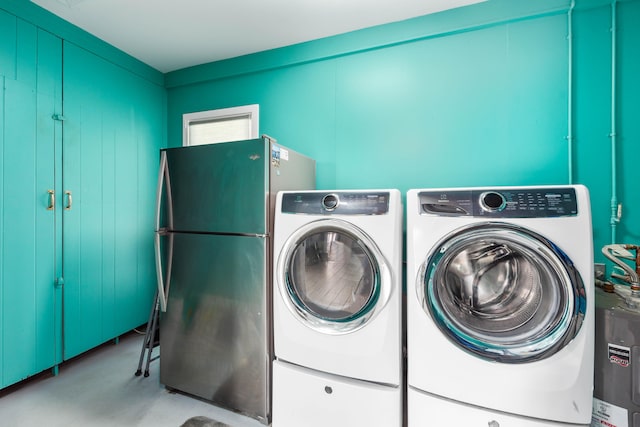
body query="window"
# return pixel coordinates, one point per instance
(223, 125)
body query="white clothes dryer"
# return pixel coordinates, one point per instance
(338, 299)
(500, 313)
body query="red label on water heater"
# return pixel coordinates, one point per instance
(620, 355)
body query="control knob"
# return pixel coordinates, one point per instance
(492, 201)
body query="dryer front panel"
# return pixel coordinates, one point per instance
(332, 276)
(502, 292)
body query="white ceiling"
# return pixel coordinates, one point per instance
(173, 34)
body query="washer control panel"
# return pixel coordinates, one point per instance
(336, 202)
(530, 202)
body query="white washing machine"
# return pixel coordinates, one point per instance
(500, 306)
(337, 308)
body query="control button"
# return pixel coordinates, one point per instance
(492, 201)
(330, 201)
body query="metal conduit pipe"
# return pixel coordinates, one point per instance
(616, 212)
(570, 89)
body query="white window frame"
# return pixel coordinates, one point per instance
(251, 111)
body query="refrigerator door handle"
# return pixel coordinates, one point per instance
(163, 286)
(159, 187)
(162, 298)
(163, 182)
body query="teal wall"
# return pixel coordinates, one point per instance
(593, 105)
(469, 97)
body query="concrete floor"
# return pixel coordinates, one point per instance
(99, 389)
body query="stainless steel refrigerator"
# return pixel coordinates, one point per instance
(214, 260)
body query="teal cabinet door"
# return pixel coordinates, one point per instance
(30, 303)
(113, 131)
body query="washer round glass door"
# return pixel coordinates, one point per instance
(332, 276)
(502, 292)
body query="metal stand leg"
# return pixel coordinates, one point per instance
(150, 335)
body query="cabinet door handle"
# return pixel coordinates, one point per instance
(69, 200)
(52, 200)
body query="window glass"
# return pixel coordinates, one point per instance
(222, 125)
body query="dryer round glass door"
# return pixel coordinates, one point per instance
(332, 276)
(502, 292)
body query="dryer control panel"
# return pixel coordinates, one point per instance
(336, 202)
(530, 202)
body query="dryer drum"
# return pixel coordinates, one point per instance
(502, 292)
(333, 277)
(331, 274)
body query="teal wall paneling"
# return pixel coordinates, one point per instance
(47, 311)
(109, 163)
(19, 238)
(8, 45)
(26, 56)
(83, 309)
(49, 148)
(29, 301)
(113, 130)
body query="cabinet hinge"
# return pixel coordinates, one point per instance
(58, 117)
(59, 282)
